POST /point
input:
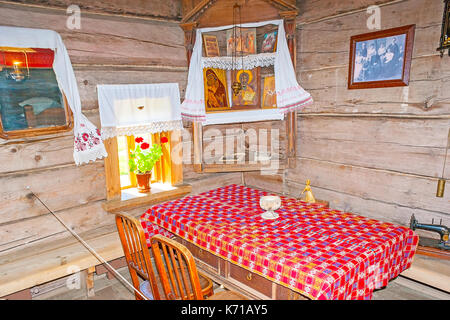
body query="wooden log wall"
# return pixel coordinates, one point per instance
(118, 43)
(375, 152)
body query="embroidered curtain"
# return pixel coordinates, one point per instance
(87, 143)
(139, 108)
(290, 95)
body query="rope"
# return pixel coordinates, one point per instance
(87, 246)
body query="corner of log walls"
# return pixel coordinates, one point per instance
(108, 49)
(375, 152)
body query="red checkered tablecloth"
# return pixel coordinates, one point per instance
(316, 251)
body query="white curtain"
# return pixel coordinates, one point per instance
(87, 143)
(290, 95)
(133, 109)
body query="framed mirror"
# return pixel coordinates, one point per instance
(31, 102)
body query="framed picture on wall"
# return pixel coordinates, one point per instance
(269, 42)
(211, 46)
(216, 92)
(241, 41)
(269, 98)
(445, 33)
(381, 59)
(249, 96)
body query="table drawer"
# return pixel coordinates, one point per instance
(284, 293)
(200, 254)
(251, 279)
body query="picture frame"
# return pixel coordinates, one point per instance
(216, 90)
(250, 95)
(31, 102)
(381, 59)
(444, 43)
(245, 41)
(211, 46)
(269, 96)
(269, 42)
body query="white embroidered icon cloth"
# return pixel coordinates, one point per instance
(290, 95)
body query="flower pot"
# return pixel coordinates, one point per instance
(143, 182)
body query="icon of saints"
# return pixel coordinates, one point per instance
(247, 94)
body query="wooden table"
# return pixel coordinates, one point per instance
(309, 251)
(236, 278)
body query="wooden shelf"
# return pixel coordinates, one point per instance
(43, 263)
(234, 167)
(130, 199)
(430, 270)
(433, 252)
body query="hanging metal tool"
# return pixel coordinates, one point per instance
(441, 181)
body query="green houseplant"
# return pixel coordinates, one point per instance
(141, 162)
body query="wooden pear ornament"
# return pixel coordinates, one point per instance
(309, 197)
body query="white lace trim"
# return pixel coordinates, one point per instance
(110, 132)
(250, 61)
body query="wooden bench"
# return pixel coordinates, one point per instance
(429, 270)
(35, 265)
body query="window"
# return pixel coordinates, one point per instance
(125, 112)
(31, 102)
(167, 177)
(162, 171)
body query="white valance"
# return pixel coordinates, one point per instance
(135, 109)
(290, 95)
(87, 143)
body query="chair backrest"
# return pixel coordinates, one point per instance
(177, 269)
(136, 253)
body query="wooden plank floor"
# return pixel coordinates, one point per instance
(398, 289)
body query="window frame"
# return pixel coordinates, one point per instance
(159, 173)
(33, 132)
(114, 196)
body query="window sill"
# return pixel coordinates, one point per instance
(130, 198)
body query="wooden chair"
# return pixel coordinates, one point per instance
(139, 261)
(178, 272)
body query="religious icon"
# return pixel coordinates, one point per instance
(269, 93)
(211, 45)
(269, 43)
(249, 96)
(215, 86)
(243, 43)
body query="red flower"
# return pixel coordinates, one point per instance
(145, 145)
(139, 139)
(85, 136)
(164, 140)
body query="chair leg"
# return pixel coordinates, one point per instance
(90, 282)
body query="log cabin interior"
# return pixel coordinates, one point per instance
(224, 150)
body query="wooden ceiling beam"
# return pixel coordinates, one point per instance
(202, 5)
(283, 5)
(198, 9)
